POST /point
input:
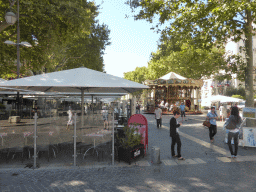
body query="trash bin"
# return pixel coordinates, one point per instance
(155, 155)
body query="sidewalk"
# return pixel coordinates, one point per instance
(205, 169)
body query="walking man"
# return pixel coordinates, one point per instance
(182, 109)
(212, 116)
(138, 108)
(158, 116)
(174, 134)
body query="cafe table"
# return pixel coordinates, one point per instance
(95, 135)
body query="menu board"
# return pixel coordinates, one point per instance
(142, 126)
(249, 112)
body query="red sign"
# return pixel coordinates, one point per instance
(142, 127)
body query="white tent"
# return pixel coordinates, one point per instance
(75, 80)
(172, 75)
(81, 80)
(2, 80)
(220, 98)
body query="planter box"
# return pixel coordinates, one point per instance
(130, 154)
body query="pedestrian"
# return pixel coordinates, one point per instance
(174, 134)
(138, 108)
(86, 109)
(234, 133)
(212, 116)
(222, 112)
(105, 117)
(70, 117)
(158, 116)
(228, 112)
(182, 110)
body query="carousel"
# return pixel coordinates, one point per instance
(170, 91)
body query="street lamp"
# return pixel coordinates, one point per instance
(11, 19)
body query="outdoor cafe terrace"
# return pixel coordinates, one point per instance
(55, 143)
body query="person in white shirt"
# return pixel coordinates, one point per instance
(158, 116)
(85, 109)
(70, 118)
(222, 108)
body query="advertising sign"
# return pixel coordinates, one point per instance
(249, 137)
(249, 112)
(142, 127)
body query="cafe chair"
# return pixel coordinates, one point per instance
(43, 144)
(66, 141)
(12, 144)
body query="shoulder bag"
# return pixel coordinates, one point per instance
(206, 123)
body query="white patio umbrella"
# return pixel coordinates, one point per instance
(172, 75)
(81, 79)
(2, 80)
(222, 99)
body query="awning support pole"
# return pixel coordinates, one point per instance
(82, 100)
(75, 141)
(35, 136)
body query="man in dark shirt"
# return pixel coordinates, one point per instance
(174, 134)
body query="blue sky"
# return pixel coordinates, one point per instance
(131, 41)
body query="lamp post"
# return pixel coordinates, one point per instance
(11, 19)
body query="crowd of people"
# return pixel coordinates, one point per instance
(233, 118)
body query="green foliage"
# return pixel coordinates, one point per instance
(187, 61)
(203, 25)
(67, 33)
(238, 96)
(2, 106)
(138, 75)
(235, 91)
(132, 137)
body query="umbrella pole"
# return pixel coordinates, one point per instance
(82, 99)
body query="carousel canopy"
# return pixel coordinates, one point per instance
(172, 75)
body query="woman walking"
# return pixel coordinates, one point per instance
(70, 118)
(212, 116)
(233, 133)
(174, 134)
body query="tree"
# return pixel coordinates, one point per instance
(200, 23)
(64, 35)
(138, 75)
(236, 91)
(187, 60)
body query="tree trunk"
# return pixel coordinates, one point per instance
(249, 69)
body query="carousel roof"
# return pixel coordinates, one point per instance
(172, 75)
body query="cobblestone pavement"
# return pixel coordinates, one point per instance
(206, 167)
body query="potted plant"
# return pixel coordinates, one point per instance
(130, 146)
